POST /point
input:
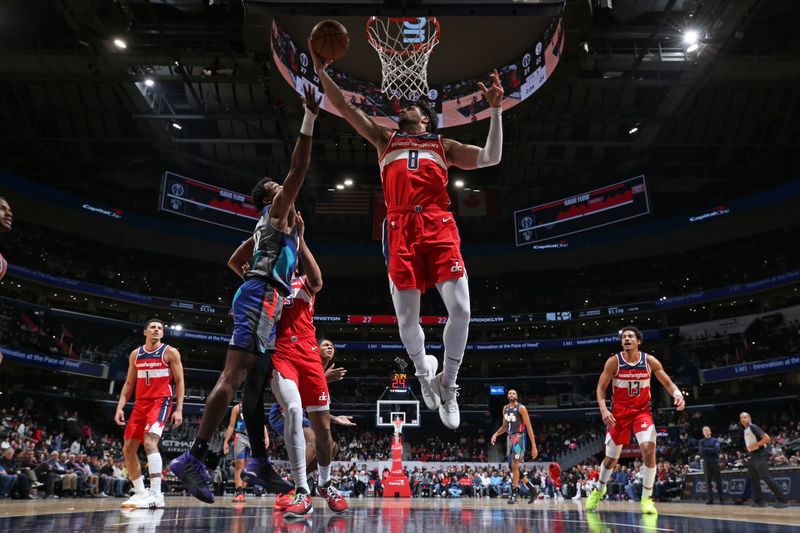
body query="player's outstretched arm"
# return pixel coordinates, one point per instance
(376, 134)
(301, 159)
(310, 265)
(658, 370)
(229, 429)
(127, 389)
(239, 261)
(468, 156)
(173, 358)
(602, 386)
(498, 433)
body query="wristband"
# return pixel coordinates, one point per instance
(307, 128)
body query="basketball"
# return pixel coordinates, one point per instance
(330, 40)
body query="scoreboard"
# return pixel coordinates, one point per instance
(608, 205)
(202, 201)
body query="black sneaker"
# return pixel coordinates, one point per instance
(259, 471)
(193, 475)
(780, 505)
(758, 504)
(512, 499)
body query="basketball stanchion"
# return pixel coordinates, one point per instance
(396, 484)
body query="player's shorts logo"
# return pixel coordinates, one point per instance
(456, 267)
(323, 397)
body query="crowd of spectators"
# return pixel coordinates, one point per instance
(582, 287)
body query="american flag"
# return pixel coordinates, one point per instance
(345, 202)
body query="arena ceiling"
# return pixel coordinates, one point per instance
(717, 122)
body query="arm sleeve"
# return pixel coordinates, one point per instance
(492, 152)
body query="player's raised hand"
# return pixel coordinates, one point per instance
(494, 94)
(335, 374)
(300, 224)
(319, 63)
(177, 419)
(310, 100)
(119, 418)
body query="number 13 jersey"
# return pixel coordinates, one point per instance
(414, 171)
(631, 390)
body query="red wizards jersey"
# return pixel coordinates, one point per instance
(297, 317)
(3, 267)
(631, 385)
(154, 377)
(414, 171)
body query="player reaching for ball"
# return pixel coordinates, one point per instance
(629, 373)
(420, 239)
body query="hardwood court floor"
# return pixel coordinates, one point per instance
(391, 516)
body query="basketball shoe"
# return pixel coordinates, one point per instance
(648, 507)
(282, 501)
(260, 471)
(193, 474)
(336, 501)
(238, 496)
(594, 499)
(429, 393)
(300, 505)
(152, 500)
(133, 501)
(448, 408)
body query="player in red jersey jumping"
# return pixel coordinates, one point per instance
(155, 372)
(629, 371)
(421, 242)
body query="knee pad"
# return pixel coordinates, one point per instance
(613, 450)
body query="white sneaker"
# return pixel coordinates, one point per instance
(133, 501)
(448, 408)
(429, 393)
(152, 500)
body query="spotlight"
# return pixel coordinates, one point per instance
(459, 184)
(339, 187)
(120, 43)
(692, 48)
(690, 37)
(149, 82)
(633, 130)
(177, 126)
(348, 182)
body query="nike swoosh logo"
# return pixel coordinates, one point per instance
(444, 220)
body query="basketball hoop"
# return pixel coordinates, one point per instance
(404, 45)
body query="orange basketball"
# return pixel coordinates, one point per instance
(329, 40)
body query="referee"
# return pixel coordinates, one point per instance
(756, 441)
(709, 451)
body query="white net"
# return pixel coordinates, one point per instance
(404, 46)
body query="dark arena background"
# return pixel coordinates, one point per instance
(648, 177)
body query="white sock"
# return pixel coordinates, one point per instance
(155, 465)
(648, 478)
(138, 485)
(605, 474)
(324, 474)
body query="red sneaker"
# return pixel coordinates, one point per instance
(239, 497)
(300, 506)
(336, 501)
(282, 501)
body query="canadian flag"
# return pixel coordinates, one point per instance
(471, 203)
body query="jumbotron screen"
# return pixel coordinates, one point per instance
(608, 205)
(202, 201)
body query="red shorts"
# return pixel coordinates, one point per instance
(630, 422)
(149, 415)
(300, 362)
(421, 249)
